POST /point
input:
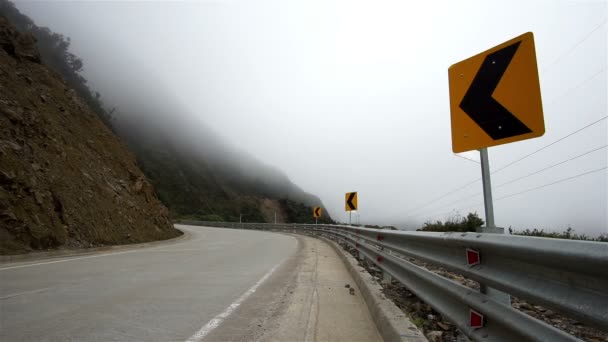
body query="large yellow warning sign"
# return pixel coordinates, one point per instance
(495, 96)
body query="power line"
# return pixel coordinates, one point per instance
(556, 182)
(551, 144)
(569, 51)
(592, 77)
(532, 189)
(443, 196)
(502, 168)
(459, 200)
(550, 167)
(526, 176)
(469, 159)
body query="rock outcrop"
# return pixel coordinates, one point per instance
(66, 181)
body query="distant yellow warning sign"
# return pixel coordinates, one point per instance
(317, 212)
(351, 201)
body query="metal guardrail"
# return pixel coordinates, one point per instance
(567, 276)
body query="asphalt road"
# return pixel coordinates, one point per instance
(171, 292)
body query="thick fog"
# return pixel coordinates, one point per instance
(353, 95)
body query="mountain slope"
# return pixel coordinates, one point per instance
(195, 172)
(197, 181)
(65, 178)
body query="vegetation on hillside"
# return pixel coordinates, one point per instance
(567, 234)
(374, 226)
(298, 212)
(65, 180)
(202, 179)
(54, 51)
(470, 223)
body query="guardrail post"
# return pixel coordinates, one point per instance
(360, 255)
(386, 278)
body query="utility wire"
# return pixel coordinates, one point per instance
(523, 177)
(549, 184)
(550, 167)
(442, 196)
(469, 159)
(533, 189)
(458, 200)
(502, 168)
(563, 95)
(569, 51)
(547, 146)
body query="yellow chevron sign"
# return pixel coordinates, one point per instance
(495, 96)
(350, 201)
(317, 212)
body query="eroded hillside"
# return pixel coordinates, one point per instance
(66, 181)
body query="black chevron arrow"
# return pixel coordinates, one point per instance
(317, 212)
(479, 104)
(351, 205)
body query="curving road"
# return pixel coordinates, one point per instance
(165, 293)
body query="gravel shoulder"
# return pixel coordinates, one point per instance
(311, 297)
(436, 328)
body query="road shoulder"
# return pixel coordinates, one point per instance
(307, 299)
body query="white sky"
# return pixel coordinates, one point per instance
(353, 95)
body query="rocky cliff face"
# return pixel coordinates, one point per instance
(66, 181)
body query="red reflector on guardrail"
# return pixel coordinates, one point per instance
(475, 319)
(379, 258)
(380, 237)
(473, 257)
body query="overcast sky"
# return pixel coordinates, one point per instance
(353, 95)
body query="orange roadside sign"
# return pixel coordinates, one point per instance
(317, 212)
(495, 96)
(351, 201)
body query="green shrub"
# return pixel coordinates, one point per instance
(568, 234)
(470, 223)
(212, 218)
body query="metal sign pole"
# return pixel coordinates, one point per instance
(350, 214)
(490, 227)
(487, 188)
(316, 220)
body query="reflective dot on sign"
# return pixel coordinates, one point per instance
(493, 62)
(499, 127)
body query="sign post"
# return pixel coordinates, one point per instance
(495, 99)
(490, 227)
(487, 187)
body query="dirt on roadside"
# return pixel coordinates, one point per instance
(270, 208)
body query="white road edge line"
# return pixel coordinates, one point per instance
(64, 260)
(217, 320)
(23, 293)
(150, 249)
